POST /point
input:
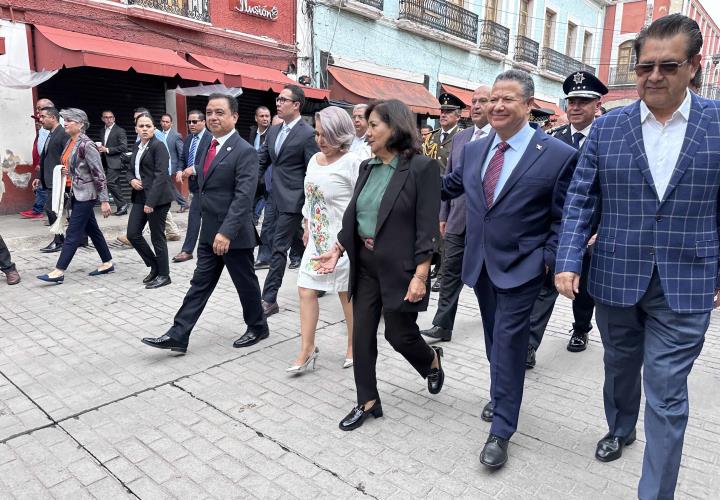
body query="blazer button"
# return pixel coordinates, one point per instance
(652, 251)
(658, 218)
(487, 219)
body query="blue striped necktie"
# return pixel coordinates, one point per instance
(193, 150)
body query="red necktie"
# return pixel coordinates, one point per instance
(492, 174)
(210, 156)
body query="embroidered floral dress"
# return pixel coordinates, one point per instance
(328, 190)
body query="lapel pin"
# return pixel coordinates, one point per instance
(539, 147)
(229, 148)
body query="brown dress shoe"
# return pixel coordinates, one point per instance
(182, 257)
(13, 277)
(173, 237)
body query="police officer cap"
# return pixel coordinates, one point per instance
(584, 84)
(540, 115)
(449, 102)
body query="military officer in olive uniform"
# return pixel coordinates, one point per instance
(584, 92)
(438, 147)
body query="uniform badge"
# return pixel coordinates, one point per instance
(538, 147)
(578, 78)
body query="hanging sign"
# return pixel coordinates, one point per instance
(261, 11)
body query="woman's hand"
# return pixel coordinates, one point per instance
(105, 209)
(306, 237)
(416, 290)
(148, 210)
(136, 184)
(64, 171)
(325, 263)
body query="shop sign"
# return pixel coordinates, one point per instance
(261, 11)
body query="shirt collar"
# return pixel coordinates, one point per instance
(110, 127)
(221, 140)
(683, 110)
(485, 130)
(520, 137)
(449, 131)
(377, 161)
(585, 132)
(200, 134)
(292, 123)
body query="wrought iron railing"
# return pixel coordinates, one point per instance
(378, 4)
(622, 75)
(526, 50)
(494, 36)
(442, 16)
(193, 9)
(563, 65)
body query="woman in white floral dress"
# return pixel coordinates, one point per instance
(329, 185)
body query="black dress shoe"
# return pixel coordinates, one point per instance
(122, 210)
(488, 412)
(54, 246)
(159, 282)
(294, 264)
(438, 332)
(150, 277)
(321, 293)
(165, 342)
(530, 361)
(578, 341)
(610, 447)
(357, 416)
(434, 272)
(262, 264)
(494, 453)
(270, 309)
(436, 377)
(251, 338)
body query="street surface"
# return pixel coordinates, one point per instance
(87, 411)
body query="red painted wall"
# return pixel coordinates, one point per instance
(661, 8)
(224, 15)
(633, 17)
(607, 40)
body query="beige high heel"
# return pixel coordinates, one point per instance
(295, 369)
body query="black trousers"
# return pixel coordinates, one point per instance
(451, 284)
(401, 331)
(115, 182)
(136, 223)
(582, 306)
(5, 263)
(193, 227)
(82, 224)
(209, 268)
(288, 233)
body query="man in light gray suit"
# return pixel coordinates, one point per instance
(174, 142)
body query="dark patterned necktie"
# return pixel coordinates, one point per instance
(576, 138)
(492, 174)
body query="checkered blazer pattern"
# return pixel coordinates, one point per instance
(637, 231)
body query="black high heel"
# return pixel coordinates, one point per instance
(357, 416)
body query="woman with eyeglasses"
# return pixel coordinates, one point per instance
(86, 180)
(390, 232)
(151, 198)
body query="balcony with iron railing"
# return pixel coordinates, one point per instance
(561, 64)
(442, 16)
(494, 37)
(192, 9)
(527, 50)
(622, 75)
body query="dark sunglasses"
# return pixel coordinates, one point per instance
(194, 122)
(666, 68)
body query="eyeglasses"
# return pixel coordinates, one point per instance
(194, 122)
(666, 68)
(283, 100)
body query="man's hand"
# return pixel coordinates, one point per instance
(592, 239)
(102, 149)
(221, 245)
(148, 210)
(36, 184)
(136, 184)
(105, 209)
(442, 228)
(717, 298)
(568, 284)
(416, 290)
(179, 177)
(188, 172)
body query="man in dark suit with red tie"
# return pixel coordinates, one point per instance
(227, 181)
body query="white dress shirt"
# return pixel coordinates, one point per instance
(221, 140)
(360, 148)
(664, 142)
(479, 133)
(107, 133)
(518, 144)
(585, 132)
(141, 150)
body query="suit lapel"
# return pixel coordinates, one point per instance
(271, 140)
(222, 152)
(293, 132)
(535, 149)
(397, 181)
(696, 130)
(480, 162)
(200, 153)
(634, 140)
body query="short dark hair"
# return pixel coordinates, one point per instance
(197, 112)
(166, 114)
(51, 111)
(523, 78)
(427, 127)
(395, 114)
(668, 27)
(232, 102)
(107, 111)
(262, 108)
(145, 114)
(141, 110)
(298, 94)
(697, 80)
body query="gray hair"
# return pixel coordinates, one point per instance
(76, 115)
(337, 127)
(521, 77)
(359, 106)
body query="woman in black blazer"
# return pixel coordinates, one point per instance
(390, 231)
(151, 198)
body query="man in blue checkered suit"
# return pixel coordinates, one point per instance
(652, 170)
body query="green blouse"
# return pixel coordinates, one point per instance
(368, 201)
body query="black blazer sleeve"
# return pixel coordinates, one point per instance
(427, 206)
(119, 147)
(156, 179)
(242, 203)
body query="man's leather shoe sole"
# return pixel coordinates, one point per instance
(165, 342)
(250, 338)
(610, 447)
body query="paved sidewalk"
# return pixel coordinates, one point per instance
(87, 411)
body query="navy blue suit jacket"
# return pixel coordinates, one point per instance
(518, 235)
(453, 211)
(202, 146)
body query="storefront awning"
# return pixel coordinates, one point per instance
(465, 95)
(55, 48)
(540, 104)
(356, 86)
(250, 76)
